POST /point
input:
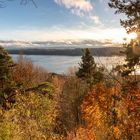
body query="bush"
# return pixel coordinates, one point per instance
(7, 86)
(26, 74)
(32, 117)
(71, 98)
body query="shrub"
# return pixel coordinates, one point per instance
(26, 74)
(32, 117)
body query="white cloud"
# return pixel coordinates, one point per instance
(63, 33)
(77, 7)
(96, 19)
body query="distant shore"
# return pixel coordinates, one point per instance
(106, 51)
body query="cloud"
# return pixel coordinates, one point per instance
(57, 44)
(96, 19)
(77, 7)
(64, 33)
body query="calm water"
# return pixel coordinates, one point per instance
(61, 64)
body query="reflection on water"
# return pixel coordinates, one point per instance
(61, 64)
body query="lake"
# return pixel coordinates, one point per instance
(61, 64)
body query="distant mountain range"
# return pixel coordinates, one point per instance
(106, 51)
(63, 47)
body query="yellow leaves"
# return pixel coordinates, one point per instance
(119, 113)
(102, 98)
(81, 133)
(97, 116)
(112, 110)
(101, 111)
(1, 111)
(93, 116)
(116, 132)
(28, 113)
(33, 117)
(95, 105)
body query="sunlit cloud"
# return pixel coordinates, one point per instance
(77, 7)
(116, 35)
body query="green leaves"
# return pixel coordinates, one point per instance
(6, 82)
(132, 10)
(132, 24)
(88, 71)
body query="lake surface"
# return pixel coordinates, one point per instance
(61, 64)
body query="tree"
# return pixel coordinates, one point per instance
(132, 61)
(131, 8)
(32, 117)
(130, 96)
(88, 71)
(27, 75)
(6, 83)
(5, 62)
(22, 2)
(81, 133)
(71, 97)
(101, 111)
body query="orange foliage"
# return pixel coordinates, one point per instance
(81, 134)
(27, 74)
(95, 104)
(100, 111)
(131, 121)
(114, 112)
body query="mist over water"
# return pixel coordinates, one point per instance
(61, 64)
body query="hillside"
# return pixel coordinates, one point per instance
(106, 51)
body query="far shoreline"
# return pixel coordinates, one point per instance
(104, 52)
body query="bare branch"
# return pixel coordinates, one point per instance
(3, 3)
(34, 3)
(25, 2)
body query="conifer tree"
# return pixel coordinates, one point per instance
(130, 90)
(131, 8)
(88, 70)
(6, 83)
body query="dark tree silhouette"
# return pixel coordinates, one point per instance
(6, 83)
(131, 8)
(130, 88)
(88, 71)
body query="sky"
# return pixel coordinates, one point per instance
(56, 20)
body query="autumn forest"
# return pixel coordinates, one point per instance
(89, 103)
